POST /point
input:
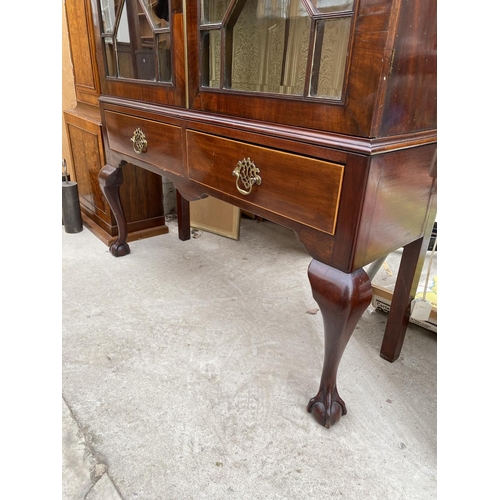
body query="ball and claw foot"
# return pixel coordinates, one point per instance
(327, 410)
(119, 250)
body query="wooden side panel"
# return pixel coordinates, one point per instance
(68, 92)
(142, 198)
(88, 158)
(141, 192)
(396, 203)
(350, 210)
(411, 96)
(366, 68)
(83, 50)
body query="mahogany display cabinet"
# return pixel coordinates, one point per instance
(319, 115)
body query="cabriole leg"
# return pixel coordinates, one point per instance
(342, 299)
(110, 180)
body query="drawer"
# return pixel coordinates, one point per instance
(164, 141)
(303, 189)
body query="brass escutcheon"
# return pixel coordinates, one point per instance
(139, 142)
(247, 173)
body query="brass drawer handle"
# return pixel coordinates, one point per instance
(139, 142)
(247, 173)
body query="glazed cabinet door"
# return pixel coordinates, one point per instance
(297, 62)
(318, 64)
(142, 49)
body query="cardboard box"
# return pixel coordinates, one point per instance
(382, 299)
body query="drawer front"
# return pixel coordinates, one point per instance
(303, 189)
(164, 142)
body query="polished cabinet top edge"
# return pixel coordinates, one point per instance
(360, 145)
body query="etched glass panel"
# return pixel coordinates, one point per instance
(212, 11)
(270, 47)
(332, 37)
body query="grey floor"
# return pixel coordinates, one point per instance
(187, 367)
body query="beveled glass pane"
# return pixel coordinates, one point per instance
(165, 62)
(270, 46)
(110, 57)
(326, 6)
(146, 36)
(109, 10)
(276, 8)
(123, 47)
(212, 11)
(211, 51)
(332, 38)
(157, 11)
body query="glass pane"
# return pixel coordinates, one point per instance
(124, 48)
(144, 47)
(270, 46)
(135, 44)
(165, 69)
(109, 9)
(211, 56)
(110, 57)
(332, 5)
(140, 48)
(212, 11)
(146, 64)
(332, 38)
(157, 11)
(273, 8)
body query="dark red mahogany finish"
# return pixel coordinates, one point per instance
(342, 299)
(355, 179)
(110, 180)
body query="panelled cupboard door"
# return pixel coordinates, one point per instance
(330, 65)
(82, 47)
(142, 49)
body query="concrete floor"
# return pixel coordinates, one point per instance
(187, 367)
